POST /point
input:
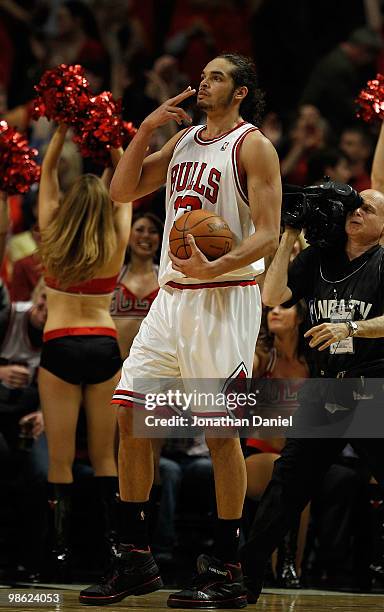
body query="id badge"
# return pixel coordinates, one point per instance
(340, 316)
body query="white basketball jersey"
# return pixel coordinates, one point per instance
(206, 174)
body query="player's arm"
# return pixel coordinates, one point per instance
(137, 175)
(260, 162)
(377, 172)
(49, 182)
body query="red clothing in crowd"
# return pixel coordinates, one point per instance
(25, 276)
(298, 175)
(16, 213)
(91, 51)
(361, 182)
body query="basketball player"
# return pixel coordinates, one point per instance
(205, 319)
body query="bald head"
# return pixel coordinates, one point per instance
(366, 223)
(374, 197)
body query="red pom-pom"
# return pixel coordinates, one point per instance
(371, 100)
(63, 94)
(65, 97)
(18, 169)
(102, 129)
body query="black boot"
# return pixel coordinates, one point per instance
(217, 585)
(132, 572)
(59, 517)
(286, 574)
(107, 491)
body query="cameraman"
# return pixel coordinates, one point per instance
(343, 287)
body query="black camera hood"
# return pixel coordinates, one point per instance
(320, 209)
(333, 190)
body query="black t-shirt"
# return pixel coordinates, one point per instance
(326, 277)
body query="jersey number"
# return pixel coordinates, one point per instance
(185, 204)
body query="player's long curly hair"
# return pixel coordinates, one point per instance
(81, 238)
(244, 73)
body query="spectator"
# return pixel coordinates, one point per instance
(78, 39)
(328, 162)
(272, 128)
(136, 101)
(308, 134)
(338, 76)
(148, 85)
(20, 352)
(200, 28)
(164, 81)
(26, 274)
(24, 455)
(356, 143)
(137, 284)
(123, 36)
(23, 48)
(22, 250)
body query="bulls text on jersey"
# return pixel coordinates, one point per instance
(196, 177)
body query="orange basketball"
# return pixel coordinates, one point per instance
(211, 233)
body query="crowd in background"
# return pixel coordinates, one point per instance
(312, 58)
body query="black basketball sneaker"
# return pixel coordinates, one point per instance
(132, 572)
(217, 585)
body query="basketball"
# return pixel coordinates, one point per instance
(211, 233)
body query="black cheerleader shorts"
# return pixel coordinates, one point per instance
(82, 360)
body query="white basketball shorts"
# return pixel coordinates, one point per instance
(206, 334)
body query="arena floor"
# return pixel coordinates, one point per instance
(272, 600)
